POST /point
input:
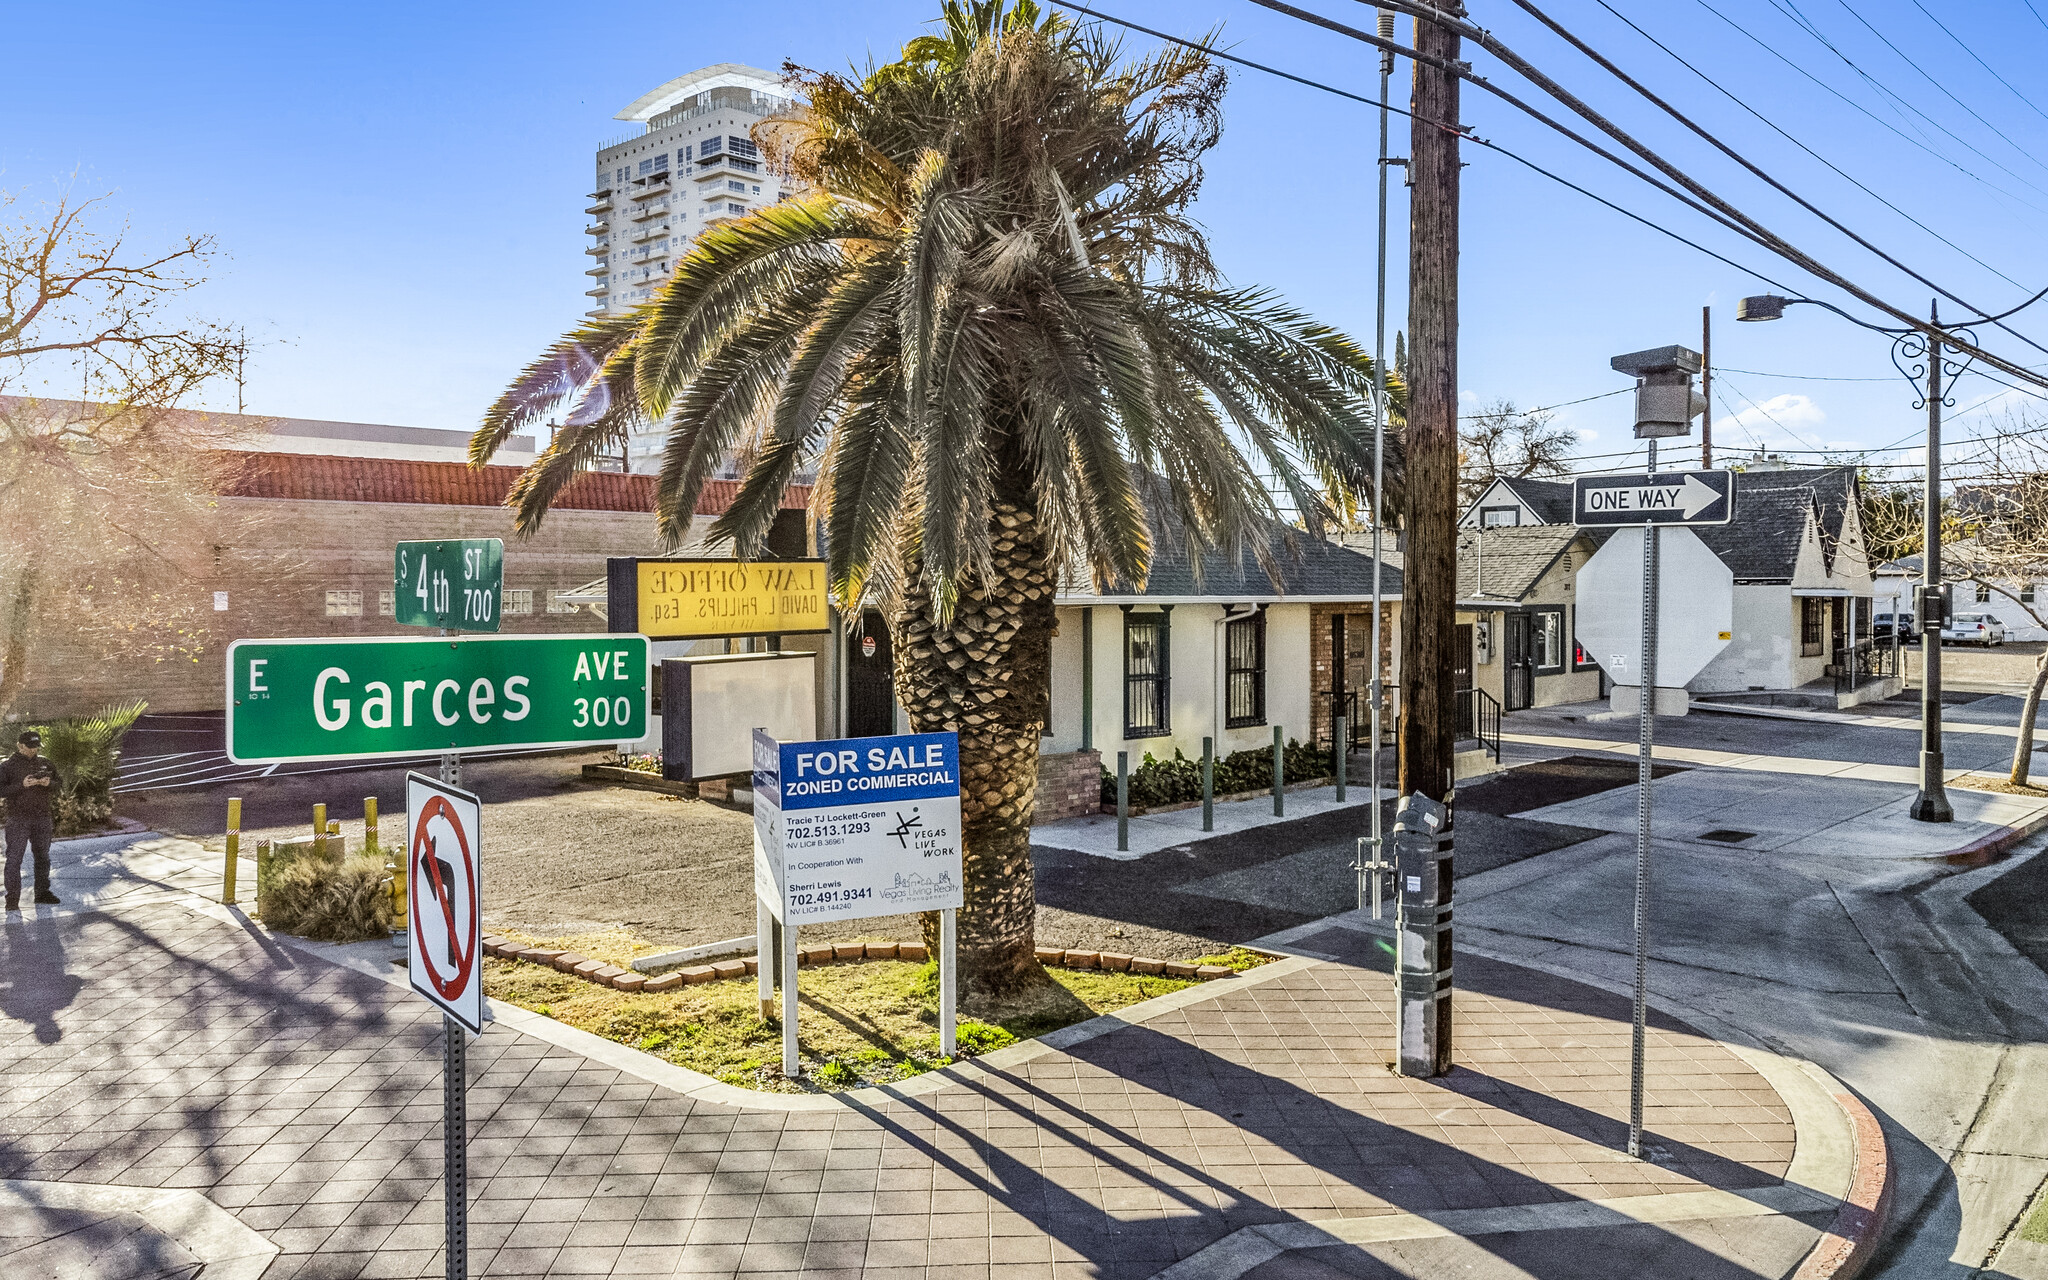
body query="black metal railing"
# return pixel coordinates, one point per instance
(1858, 664)
(1479, 717)
(1353, 704)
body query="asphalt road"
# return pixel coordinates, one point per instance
(1890, 973)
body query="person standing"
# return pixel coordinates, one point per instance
(26, 781)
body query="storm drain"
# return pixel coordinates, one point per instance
(1729, 837)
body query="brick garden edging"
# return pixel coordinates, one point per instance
(610, 975)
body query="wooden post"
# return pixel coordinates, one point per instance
(319, 830)
(227, 878)
(1707, 387)
(1429, 603)
(370, 825)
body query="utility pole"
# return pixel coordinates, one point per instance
(1706, 389)
(1429, 579)
(1931, 805)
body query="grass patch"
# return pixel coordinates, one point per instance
(2035, 1228)
(1237, 959)
(861, 1024)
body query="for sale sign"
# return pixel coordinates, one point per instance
(857, 826)
(444, 941)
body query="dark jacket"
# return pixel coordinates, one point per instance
(24, 801)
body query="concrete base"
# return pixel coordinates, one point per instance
(1874, 691)
(1627, 700)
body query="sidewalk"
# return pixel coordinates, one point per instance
(1244, 1128)
(1795, 804)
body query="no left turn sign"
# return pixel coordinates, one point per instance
(444, 939)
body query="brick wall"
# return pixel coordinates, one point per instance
(1069, 785)
(1357, 625)
(280, 557)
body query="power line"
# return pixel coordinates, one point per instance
(1548, 407)
(1802, 377)
(1608, 65)
(1924, 75)
(1980, 62)
(1723, 90)
(1806, 24)
(1746, 225)
(1661, 229)
(1921, 143)
(1766, 412)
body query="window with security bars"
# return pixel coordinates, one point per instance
(386, 603)
(344, 604)
(1147, 675)
(1244, 672)
(1983, 593)
(519, 601)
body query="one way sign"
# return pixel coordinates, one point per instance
(1667, 497)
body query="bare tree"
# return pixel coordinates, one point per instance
(107, 508)
(1502, 441)
(1994, 534)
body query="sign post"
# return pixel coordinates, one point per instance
(444, 957)
(1648, 502)
(292, 700)
(858, 827)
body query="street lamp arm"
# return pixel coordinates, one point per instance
(1816, 302)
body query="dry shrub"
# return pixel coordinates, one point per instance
(340, 900)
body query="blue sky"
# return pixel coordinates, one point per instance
(396, 189)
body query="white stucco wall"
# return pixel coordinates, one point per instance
(1764, 652)
(1192, 695)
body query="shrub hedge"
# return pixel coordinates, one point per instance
(1158, 782)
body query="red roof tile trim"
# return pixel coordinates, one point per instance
(452, 484)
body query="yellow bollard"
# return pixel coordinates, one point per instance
(320, 830)
(227, 879)
(370, 824)
(337, 844)
(262, 873)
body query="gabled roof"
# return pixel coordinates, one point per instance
(1307, 568)
(1514, 559)
(1551, 500)
(313, 477)
(1771, 511)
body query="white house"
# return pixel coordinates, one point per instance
(1803, 579)
(2007, 599)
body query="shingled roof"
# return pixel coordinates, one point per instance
(1551, 500)
(1308, 568)
(452, 484)
(1771, 508)
(1514, 557)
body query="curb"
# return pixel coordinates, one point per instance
(1846, 1246)
(1985, 850)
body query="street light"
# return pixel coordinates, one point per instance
(1912, 348)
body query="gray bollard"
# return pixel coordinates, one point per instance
(1123, 801)
(1279, 773)
(1208, 784)
(1340, 738)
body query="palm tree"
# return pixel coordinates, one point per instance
(998, 333)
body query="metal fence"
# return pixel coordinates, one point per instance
(1858, 664)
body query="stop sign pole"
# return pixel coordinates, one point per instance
(1646, 734)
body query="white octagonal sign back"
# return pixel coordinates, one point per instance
(1695, 607)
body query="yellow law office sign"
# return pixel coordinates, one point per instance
(708, 599)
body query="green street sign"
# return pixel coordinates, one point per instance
(455, 583)
(397, 696)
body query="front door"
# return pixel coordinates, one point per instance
(870, 683)
(1461, 678)
(1518, 685)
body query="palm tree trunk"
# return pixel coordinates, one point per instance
(14, 657)
(2023, 749)
(985, 675)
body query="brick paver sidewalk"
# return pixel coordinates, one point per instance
(153, 1046)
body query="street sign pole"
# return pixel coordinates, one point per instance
(1646, 732)
(455, 1145)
